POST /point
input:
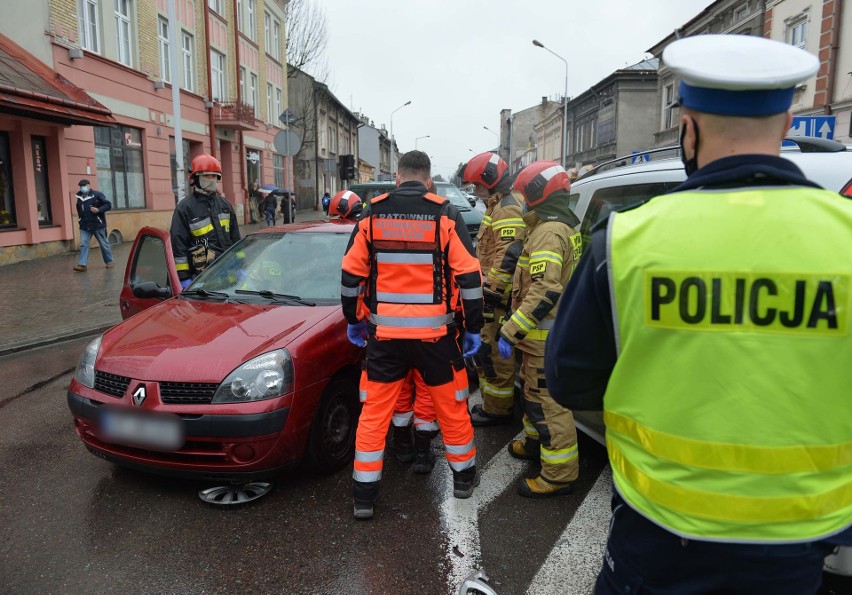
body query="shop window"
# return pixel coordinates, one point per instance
(118, 154)
(42, 185)
(7, 194)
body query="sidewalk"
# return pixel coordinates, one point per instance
(46, 301)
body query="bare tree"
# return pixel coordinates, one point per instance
(306, 38)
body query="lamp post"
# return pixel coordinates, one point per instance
(392, 151)
(418, 138)
(538, 44)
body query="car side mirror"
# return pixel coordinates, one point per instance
(149, 289)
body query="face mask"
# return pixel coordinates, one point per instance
(208, 184)
(690, 165)
(84, 189)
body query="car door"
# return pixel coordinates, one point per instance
(150, 276)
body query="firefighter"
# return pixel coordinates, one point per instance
(499, 242)
(403, 258)
(346, 205)
(717, 341)
(550, 252)
(204, 224)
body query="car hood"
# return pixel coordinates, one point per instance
(471, 216)
(182, 340)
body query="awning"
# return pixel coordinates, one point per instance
(29, 88)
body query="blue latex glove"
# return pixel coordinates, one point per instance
(185, 283)
(505, 348)
(357, 333)
(471, 344)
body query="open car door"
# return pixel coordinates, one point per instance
(150, 276)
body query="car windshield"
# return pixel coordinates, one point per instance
(270, 267)
(454, 195)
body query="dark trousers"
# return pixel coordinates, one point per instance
(642, 557)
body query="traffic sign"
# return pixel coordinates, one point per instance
(287, 143)
(819, 126)
(637, 158)
(287, 117)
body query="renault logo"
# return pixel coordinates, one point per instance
(139, 395)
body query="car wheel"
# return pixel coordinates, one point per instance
(331, 444)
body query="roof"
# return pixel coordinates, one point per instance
(649, 64)
(28, 87)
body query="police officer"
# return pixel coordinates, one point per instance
(712, 326)
(403, 258)
(499, 242)
(204, 224)
(550, 251)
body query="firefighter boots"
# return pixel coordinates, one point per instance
(464, 482)
(528, 450)
(538, 487)
(403, 443)
(424, 458)
(364, 494)
(479, 417)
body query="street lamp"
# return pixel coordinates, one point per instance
(392, 152)
(418, 138)
(492, 132)
(538, 44)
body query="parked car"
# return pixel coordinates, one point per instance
(242, 374)
(472, 217)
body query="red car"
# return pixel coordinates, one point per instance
(244, 373)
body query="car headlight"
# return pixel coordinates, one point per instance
(265, 377)
(85, 372)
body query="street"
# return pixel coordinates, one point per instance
(77, 524)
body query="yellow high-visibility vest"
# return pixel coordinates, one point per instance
(729, 411)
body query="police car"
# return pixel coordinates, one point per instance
(618, 185)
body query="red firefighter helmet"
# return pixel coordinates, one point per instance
(539, 180)
(344, 204)
(205, 164)
(486, 169)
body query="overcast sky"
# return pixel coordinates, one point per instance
(460, 62)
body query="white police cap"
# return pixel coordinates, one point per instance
(738, 75)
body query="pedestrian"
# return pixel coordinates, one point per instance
(499, 242)
(91, 206)
(346, 205)
(326, 201)
(550, 252)
(287, 207)
(269, 204)
(204, 223)
(717, 343)
(401, 261)
(254, 201)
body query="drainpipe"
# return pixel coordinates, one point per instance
(832, 56)
(173, 39)
(243, 184)
(316, 147)
(210, 121)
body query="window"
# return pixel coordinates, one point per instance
(276, 40)
(252, 25)
(270, 106)
(267, 32)
(217, 76)
(619, 198)
(277, 104)
(740, 13)
(278, 168)
(118, 156)
(122, 32)
(243, 84)
(668, 106)
(253, 92)
(42, 185)
(797, 33)
(215, 5)
(187, 52)
(240, 15)
(88, 24)
(332, 140)
(163, 42)
(7, 190)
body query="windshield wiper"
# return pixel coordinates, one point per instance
(278, 297)
(203, 293)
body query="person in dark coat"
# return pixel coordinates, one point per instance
(91, 206)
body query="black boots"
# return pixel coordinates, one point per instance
(424, 458)
(480, 417)
(464, 482)
(364, 494)
(403, 443)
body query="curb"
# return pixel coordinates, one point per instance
(43, 341)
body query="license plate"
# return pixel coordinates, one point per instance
(153, 431)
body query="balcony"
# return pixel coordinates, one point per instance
(234, 114)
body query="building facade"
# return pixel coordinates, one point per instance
(374, 148)
(230, 69)
(517, 130)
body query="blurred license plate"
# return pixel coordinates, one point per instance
(153, 431)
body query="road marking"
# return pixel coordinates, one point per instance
(573, 564)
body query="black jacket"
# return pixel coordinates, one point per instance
(90, 221)
(214, 222)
